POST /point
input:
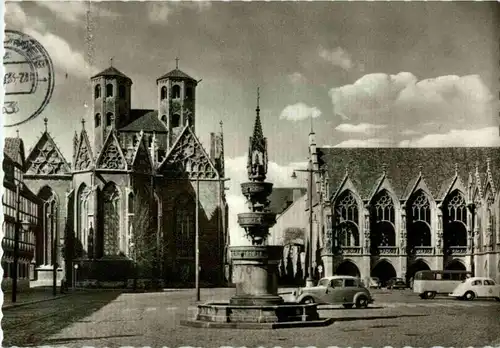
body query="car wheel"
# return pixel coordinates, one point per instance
(469, 296)
(348, 306)
(362, 301)
(497, 298)
(307, 300)
(423, 296)
(430, 294)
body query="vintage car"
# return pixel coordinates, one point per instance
(345, 290)
(396, 283)
(477, 287)
(375, 283)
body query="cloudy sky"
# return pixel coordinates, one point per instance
(369, 74)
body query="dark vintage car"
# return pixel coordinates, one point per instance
(345, 290)
(396, 283)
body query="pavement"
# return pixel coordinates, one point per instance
(31, 296)
(115, 319)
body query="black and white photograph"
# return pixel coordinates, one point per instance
(250, 174)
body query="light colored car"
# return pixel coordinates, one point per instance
(477, 287)
(345, 290)
(375, 282)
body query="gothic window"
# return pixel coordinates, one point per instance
(455, 208)
(455, 220)
(420, 208)
(49, 210)
(382, 222)
(111, 212)
(82, 215)
(189, 93)
(97, 120)
(418, 216)
(176, 91)
(121, 91)
(348, 234)
(131, 203)
(347, 207)
(490, 219)
(109, 119)
(176, 119)
(163, 93)
(97, 91)
(185, 227)
(164, 118)
(109, 90)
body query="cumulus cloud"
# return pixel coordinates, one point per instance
(75, 11)
(64, 57)
(296, 78)
(160, 12)
(279, 175)
(488, 136)
(372, 142)
(403, 102)
(337, 57)
(299, 112)
(365, 128)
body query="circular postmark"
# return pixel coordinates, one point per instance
(28, 78)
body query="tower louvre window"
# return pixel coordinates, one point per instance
(163, 93)
(109, 90)
(109, 119)
(121, 91)
(97, 120)
(189, 93)
(176, 119)
(97, 91)
(164, 118)
(176, 91)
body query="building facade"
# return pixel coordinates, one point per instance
(19, 204)
(128, 195)
(387, 212)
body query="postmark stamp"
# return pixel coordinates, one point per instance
(28, 78)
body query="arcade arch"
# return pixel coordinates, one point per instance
(384, 271)
(347, 267)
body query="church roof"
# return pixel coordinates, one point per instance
(14, 150)
(145, 120)
(111, 72)
(282, 195)
(437, 165)
(176, 74)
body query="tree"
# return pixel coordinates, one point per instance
(144, 250)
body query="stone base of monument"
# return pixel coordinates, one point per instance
(285, 315)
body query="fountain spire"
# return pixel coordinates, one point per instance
(257, 152)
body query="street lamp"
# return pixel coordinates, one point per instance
(310, 170)
(20, 227)
(75, 266)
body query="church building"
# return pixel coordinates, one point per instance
(127, 198)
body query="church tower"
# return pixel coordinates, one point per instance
(111, 103)
(176, 101)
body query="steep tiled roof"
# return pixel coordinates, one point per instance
(176, 74)
(147, 121)
(282, 195)
(111, 72)
(365, 166)
(14, 150)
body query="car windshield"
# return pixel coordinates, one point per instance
(323, 282)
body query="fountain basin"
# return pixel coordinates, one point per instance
(256, 188)
(226, 315)
(262, 220)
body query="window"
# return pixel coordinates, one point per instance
(477, 282)
(323, 282)
(176, 119)
(97, 120)
(489, 282)
(176, 91)
(109, 90)
(164, 118)
(350, 283)
(163, 93)
(336, 283)
(121, 91)
(109, 119)
(97, 91)
(189, 93)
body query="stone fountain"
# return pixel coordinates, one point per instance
(256, 303)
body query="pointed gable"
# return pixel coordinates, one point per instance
(83, 159)
(46, 159)
(111, 156)
(187, 156)
(141, 161)
(418, 184)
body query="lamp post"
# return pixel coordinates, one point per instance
(20, 227)
(75, 266)
(472, 209)
(311, 171)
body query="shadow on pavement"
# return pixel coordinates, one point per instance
(90, 338)
(336, 308)
(33, 324)
(378, 317)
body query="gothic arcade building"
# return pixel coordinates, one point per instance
(134, 181)
(388, 212)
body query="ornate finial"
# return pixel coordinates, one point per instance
(347, 170)
(384, 168)
(111, 61)
(17, 132)
(420, 169)
(258, 101)
(456, 168)
(477, 167)
(83, 123)
(177, 63)
(257, 154)
(488, 163)
(45, 120)
(221, 124)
